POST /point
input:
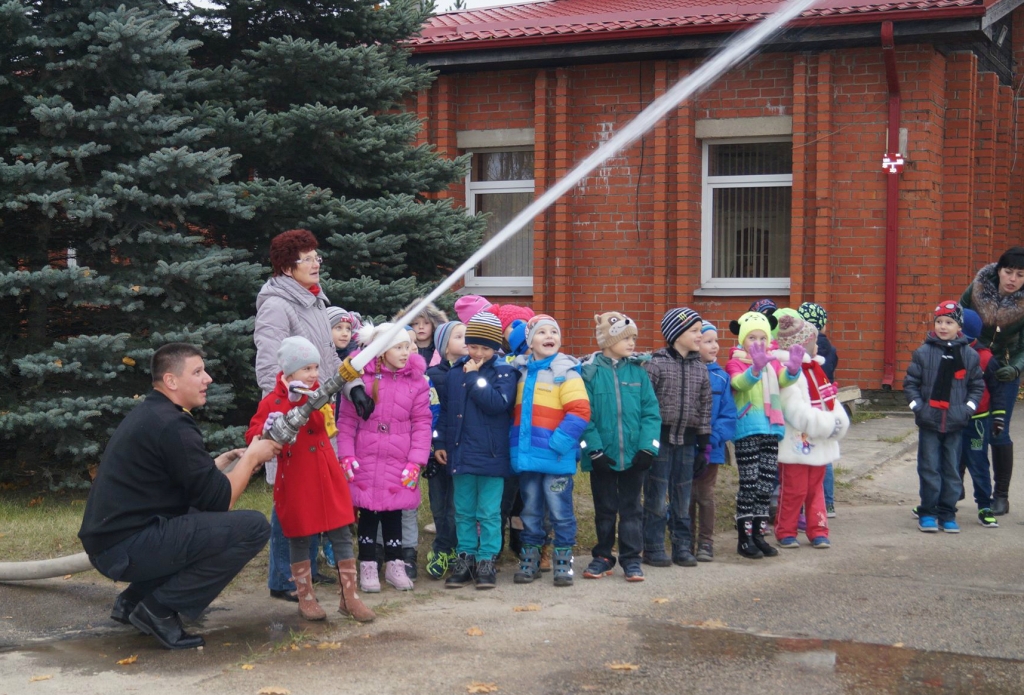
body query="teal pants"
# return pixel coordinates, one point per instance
(478, 499)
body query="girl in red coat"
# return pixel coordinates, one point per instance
(310, 491)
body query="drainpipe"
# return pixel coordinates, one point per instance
(893, 165)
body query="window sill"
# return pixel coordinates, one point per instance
(769, 290)
(498, 288)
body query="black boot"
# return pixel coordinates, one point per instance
(746, 546)
(760, 528)
(409, 555)
(464, 572)
(1002, 469)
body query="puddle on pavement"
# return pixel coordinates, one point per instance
(850, 667)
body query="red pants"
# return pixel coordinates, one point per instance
(800, 486)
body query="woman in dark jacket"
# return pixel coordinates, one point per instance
(997, 294)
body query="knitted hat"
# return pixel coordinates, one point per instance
(613, 327)
(535, 323)
(369, 333)
(707, 327)
(507, 313)
(752, 321)
(952, 309)
(677, 321)
(814, 313)
(296, 352)
(972, 324)
(764, 306)
(441, 336)
(793, 330)
(336, 315)
(469, 306)
(484, 329)
(517, 338)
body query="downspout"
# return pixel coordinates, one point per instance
(892, 205)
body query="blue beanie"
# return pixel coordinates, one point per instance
(972, 324)
(707, 326)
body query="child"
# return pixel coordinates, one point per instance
(815, 422)
(683, 389)
(551, 412)
(343, 325)
(620, 443)
(817, 317)
(311, 494)
(390, 447)
(757, 378)
(451, 342)
(723, 428)
(943, 386)
(468, 306)
(991, 417)
(469, 440)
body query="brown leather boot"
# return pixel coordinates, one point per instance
(350, 602)
(545, 557)
(309, 608)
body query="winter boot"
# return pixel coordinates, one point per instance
(760, 528)
(563, 566)
(486, 574)
(529, 565)
(463, 572)
(746, 546)
(302, 575)
(351, 605)
(409, 555)
(394, 574)
(1002, 469)
(545, 558)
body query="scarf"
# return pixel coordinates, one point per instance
(951, 367)
(823, 393)
(772, 400)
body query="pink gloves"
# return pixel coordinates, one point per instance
(796, 357)
(349, 466)
(292, 396)
(411, 476)
(759, 357)
(271, 418)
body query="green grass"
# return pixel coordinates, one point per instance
(864, 415)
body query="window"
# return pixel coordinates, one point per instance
(500, 184)
(746, 215)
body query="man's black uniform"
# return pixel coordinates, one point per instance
(157, 514)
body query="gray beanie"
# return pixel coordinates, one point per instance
(295, 353)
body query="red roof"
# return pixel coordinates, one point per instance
(558, 21)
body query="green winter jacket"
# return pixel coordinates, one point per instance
(624, 413)
(1002, 317)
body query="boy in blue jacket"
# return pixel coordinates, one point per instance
(471, 440)
(723, 428)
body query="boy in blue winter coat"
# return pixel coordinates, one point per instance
(723, 428)
(471, 441)
(619, 444)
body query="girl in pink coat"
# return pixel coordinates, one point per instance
(385, 453)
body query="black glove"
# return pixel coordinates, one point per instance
(363, 403)
(601, 461)
(431, 469)
(643, 460)
(998, 425)
(700, 463)
(1007, 373)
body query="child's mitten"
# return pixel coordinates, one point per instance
(643, 460)
(602, 461)
(349, 466)
(292, 396)
(759, 357)
(271, 418)
(796, 358)
(411, 476)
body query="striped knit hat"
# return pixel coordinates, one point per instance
(706, 327)
(814, 313)
(336, 315)
(484, 329)
(441, 336)
(677, 321)
(535, 323)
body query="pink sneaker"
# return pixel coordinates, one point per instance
(394, 574)
(369, 581)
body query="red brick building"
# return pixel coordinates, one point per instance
(769, 183)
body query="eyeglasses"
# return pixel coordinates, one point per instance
(311, 259)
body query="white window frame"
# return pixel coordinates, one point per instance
(508, 284)
(710, 285)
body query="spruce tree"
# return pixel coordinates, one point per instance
(107, 189)
(312, 95)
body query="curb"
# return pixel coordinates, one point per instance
(895, 451)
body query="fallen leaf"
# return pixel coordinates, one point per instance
(295, 647)
(35, 502)
(128, 361)
(898, 645)
(479, 687)
(622, 666)
(58, 363)
(129, 660)
(226, 644)
(756, 599)
(660, 600)
(247, 667)
(308, 646)
(474, 632)
(35, 679)
(274, 690)
(329, 645)
(67, 576)
(528, 608)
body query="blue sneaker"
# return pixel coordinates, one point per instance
(928, 524)
(598, 567)
(788, 542)
(821, 543)
(950, 526)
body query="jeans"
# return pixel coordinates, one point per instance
(540, 490)
(974, 453)
(670, 477)
(829, 486)
(441, 491)
(617, 494)
(937, 457)
(280, 570)
(478, 501)
(1008, 389)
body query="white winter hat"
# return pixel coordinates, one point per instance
(367, 334)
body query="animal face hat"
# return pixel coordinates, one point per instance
(752, 321)
(612, 327)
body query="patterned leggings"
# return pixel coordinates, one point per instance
(390, 525)
(757, 458)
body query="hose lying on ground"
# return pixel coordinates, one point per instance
(44, 569)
